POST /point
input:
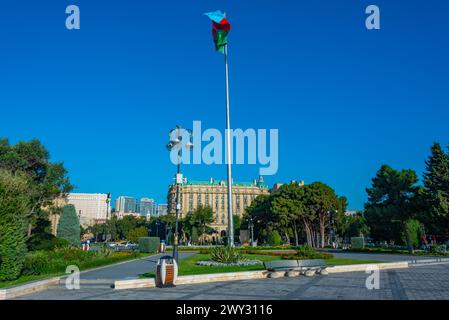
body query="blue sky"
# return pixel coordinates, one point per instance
(345, 99)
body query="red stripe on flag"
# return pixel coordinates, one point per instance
(223, 25)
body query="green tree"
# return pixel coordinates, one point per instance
(14, 206)
(128, 223)
(201, 218)
(46, 180)
(321, 200)
(289, 210)
(135, 234)
(260, 211)
(274, 238)
(237, 222)
(355, 226)
(394, 194)
(194, 236)
(69, 225)
(436, 190)
(414, 230)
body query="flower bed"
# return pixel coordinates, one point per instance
(233, 264)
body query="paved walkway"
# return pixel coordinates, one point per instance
(379, 256)
(104, 277)
(416, 282)
(127, 270)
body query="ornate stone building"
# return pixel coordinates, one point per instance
(215, 195)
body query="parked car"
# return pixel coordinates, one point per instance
(130, 244)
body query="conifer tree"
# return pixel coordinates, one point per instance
(436, 184)
(69, 225)
(14, 206)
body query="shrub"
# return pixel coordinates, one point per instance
(281, 247)
(69, 225)
(307, 252)
(36, 263)
(264, 253)
(13, 210)
(437, 249)
(226, 254)
(45, 242)
(149, 244)
(135, 234)
(104, 252)
(56, 261)
(357, 242)
(274, 238)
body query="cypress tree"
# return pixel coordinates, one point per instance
(436, 184)
(69, 225)
(13, 209)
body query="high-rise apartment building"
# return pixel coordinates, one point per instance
(147, 206)
(92, 208)
(126, 204)
(161, 210)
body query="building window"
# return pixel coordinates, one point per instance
(199, 200)
(222, 201)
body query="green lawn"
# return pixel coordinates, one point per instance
(188, 265)
(85, 266)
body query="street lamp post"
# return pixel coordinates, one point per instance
(157, 228)
(176, 144)
(251, 228)
(108, 201)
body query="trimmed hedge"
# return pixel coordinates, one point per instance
(149, 244)
(357, 242)
(56, 261)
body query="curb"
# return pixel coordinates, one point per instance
(25, 289)
(364, 267)
(428, 261)
(246, 275)
(200, 278)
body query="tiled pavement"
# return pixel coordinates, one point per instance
(416, 282)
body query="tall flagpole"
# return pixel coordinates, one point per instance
(228, 155)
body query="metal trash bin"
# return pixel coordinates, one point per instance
(166, 272)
